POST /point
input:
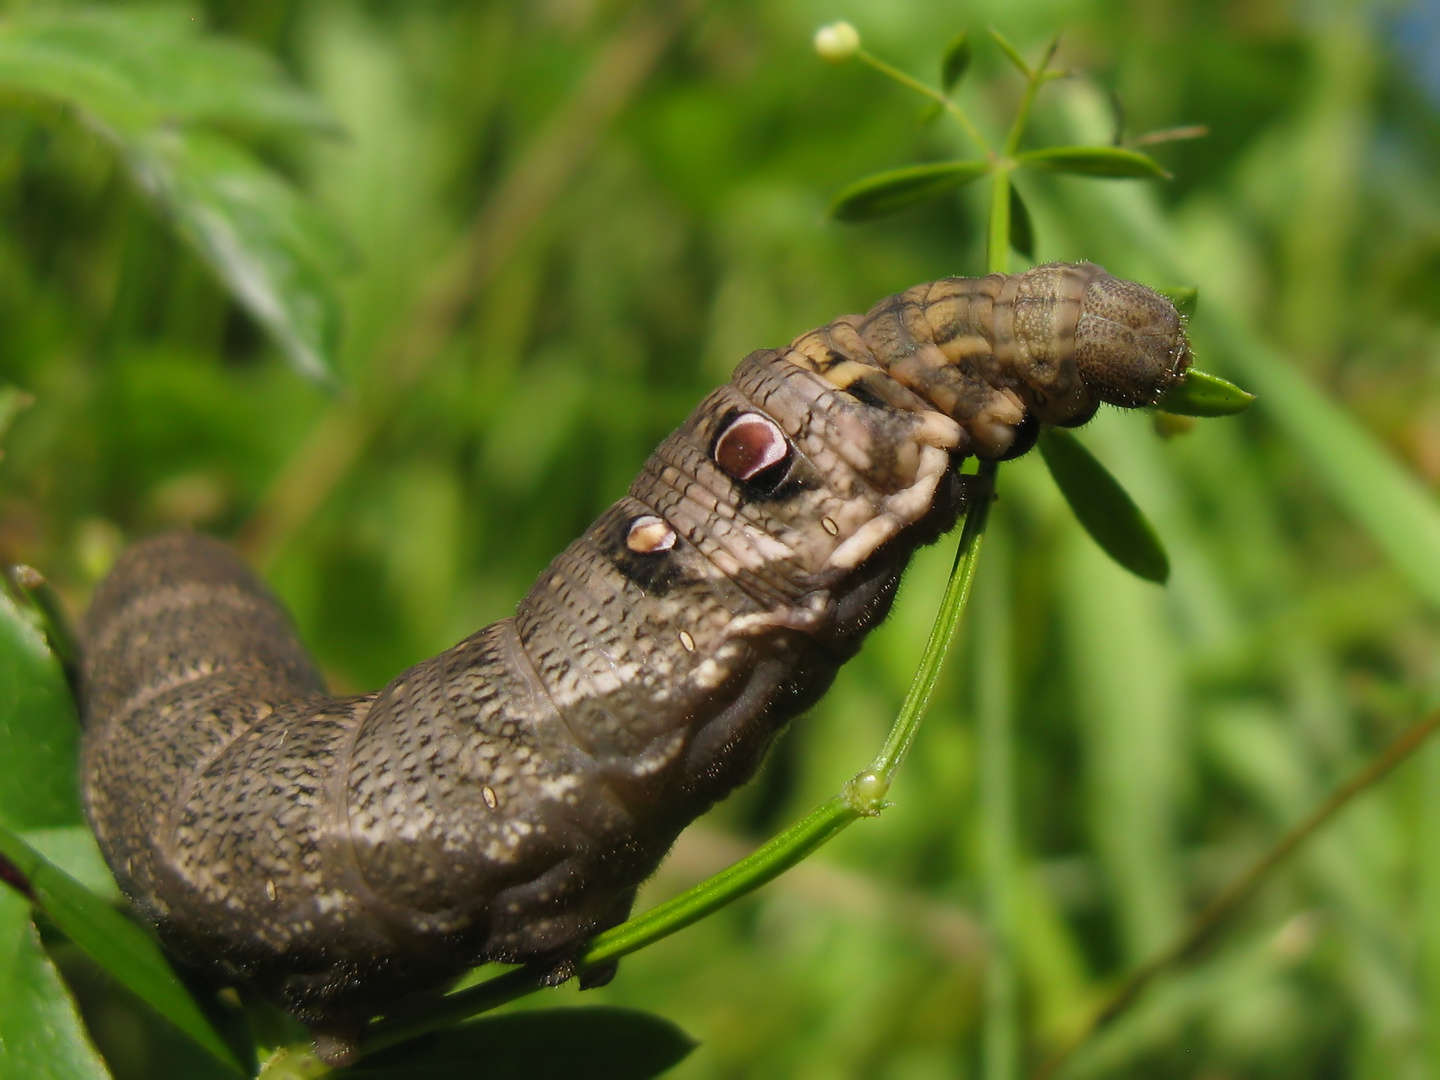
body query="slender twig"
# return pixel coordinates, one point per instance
(1219, 911)
(1038, 76)
(930, 92)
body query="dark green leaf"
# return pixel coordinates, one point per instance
(1103, 507)
(274, 251)
(887, 192)
(49, 614)
(39, 731)
(1012, 52)
(596, 1043)
(956, 61)
(41, 1036)
(120, 947)
(1022, 229)
(132, 70)
(1184, 299)
(1108, 161)
(1203, 394)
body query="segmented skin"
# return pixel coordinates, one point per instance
(503, 800)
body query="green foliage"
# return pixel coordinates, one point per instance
(1103, 507)
(569, 221)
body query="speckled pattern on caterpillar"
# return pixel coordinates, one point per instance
(503, 800)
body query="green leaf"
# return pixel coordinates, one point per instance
(39, 732)
(1022, 229)
(273, 250)
(49, 615)
(1012, 52)
(1184, 299)
(1103, 507)
(120, 947)
(884, 193)
(956, 61)
(149, 85)
(41, 1035)
(596, 1043)
(1107, 161)
(1202, 394)
(133, 70)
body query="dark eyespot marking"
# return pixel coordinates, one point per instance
(752, 449)
(643, 548)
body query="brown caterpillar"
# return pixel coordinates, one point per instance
(503, 800)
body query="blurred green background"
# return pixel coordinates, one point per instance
(557, 223)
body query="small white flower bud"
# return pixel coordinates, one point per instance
(837, 42)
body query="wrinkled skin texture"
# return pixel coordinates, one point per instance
(503, 800)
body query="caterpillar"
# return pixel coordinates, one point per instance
(503, 800)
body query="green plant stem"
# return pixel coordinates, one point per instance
(992, 667)
(952, 606)
(930, 92)
(997, 247)
(863, 796)
(1039, 75)
(1220, 910)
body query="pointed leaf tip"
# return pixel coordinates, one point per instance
(1110, 162)
(1103, 507)
(956, 61)
(1201, 394)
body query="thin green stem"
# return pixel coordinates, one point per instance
(862, 796)
(930, 92)
(952, 606)
(1038, 77)
(997, 247)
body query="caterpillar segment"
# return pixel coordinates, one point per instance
(503, 801)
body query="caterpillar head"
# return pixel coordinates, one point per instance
(1130, 345)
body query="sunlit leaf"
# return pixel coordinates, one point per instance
(120, 947)
(41, 1035)
(1202, 394)
(133, 69)
(596, 1043)
(1103, 507)
(1106, 161)
(272, 249)
(159, 94)
(1012, 52)
(39, 731)
(956, 61)
(49, 614)
(1022, 229)
(886, 192)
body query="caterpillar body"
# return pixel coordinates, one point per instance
(503, 800)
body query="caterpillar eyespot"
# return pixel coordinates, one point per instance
(503, 800)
